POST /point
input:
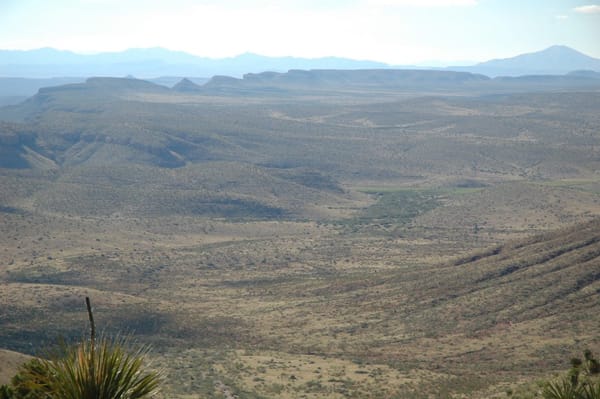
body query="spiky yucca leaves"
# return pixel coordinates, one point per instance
(561, 389)
(100, 369)
(581, 382)
(93, 369)
(104, 370)
(591, 391)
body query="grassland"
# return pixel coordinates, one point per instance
(363, 245)
(292, 308)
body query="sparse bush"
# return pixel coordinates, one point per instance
(30, 382)
(6, 392)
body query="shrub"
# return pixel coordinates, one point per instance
(580, 382)
(6, 392)
(92, 369)
(100, 370)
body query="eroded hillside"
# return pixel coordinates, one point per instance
(358, 242)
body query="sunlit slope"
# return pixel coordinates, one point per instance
(504, 314)
(364, 135)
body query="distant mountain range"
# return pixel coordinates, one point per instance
(555, 60)
(155, 62)
(158, 62)
(23, 73)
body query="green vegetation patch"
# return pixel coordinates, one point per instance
(400, 206)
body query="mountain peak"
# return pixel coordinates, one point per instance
(557, 60)
(186, 86)
(560, 47)
(561, 50)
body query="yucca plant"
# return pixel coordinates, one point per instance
(561, 389)
(101, 370)
(591, 391)
(580, 383)
(92, 369)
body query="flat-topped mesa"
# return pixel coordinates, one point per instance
(222, 80)
(121, 83)
(363, 77)
(100, 85)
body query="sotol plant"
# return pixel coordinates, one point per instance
(93, 369)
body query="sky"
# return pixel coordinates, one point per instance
(397, 32)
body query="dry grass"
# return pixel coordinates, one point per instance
(393, 310)
(423, 283)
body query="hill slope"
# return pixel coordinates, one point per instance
(9, 364)
(474, 325)
(306, 145)
(106, 146)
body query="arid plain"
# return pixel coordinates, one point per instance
(416, 240)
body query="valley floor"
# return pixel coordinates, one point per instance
(366, 306)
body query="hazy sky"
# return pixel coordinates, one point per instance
(392, 31)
